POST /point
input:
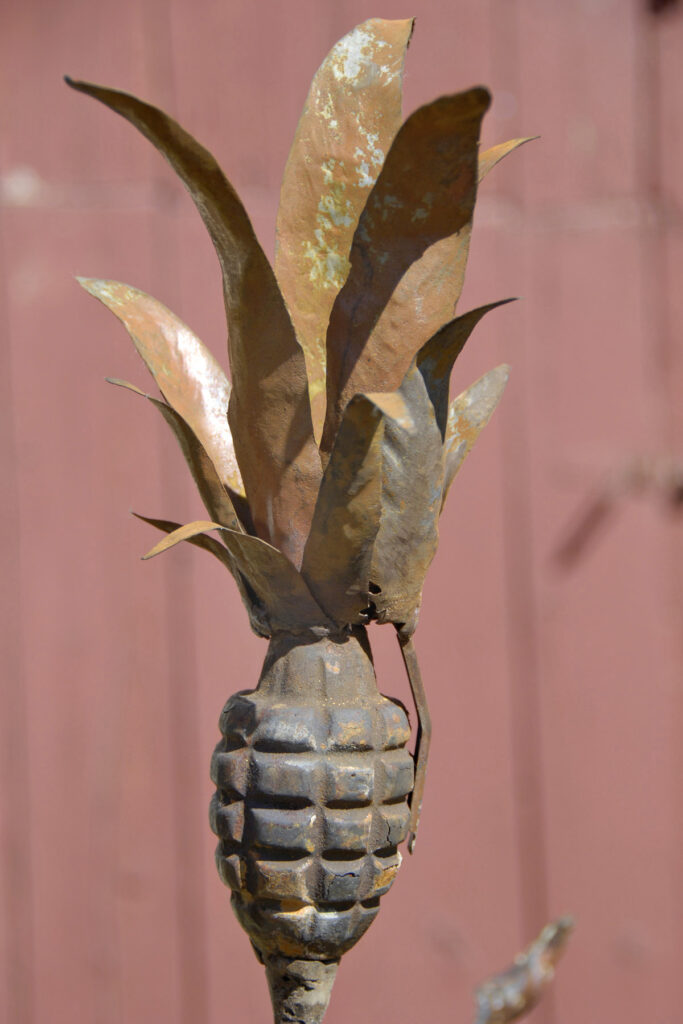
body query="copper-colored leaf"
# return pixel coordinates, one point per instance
(200, 540)
(277, 586)
(426, 296)
(211, 490)
(352, 112)
(468, 414)
(269, 410)
(412, 471)
(208, 543)
(436, 358)
(338, 553)
(425, 191)
(186, 373)
(187, 532)
(514, 993)
(490, 157)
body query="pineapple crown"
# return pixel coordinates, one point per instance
(325, 462)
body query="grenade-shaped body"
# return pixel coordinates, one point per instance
(313, 779)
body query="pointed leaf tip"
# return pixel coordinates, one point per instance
(127, 385)
(468, 414)
(394, 406)
(436, 358)
(183, 533)
(490, 157)
(86, 283)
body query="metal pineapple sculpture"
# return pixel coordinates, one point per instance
(323, 467)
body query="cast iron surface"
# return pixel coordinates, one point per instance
(312, 776)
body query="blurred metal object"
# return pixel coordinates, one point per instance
(514, 992)
(655, 475)
(657, 6)
(323, 466)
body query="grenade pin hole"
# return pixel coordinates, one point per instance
(371, 611)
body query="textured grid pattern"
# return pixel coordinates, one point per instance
(310, 808)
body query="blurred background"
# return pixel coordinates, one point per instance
(551, 636)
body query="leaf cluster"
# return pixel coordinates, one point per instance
(325, 460)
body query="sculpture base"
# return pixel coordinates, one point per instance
(300, 989)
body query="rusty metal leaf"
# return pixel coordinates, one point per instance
(436, 358)
(490, 157)
(210, 544)
(186, 532)
(211, 490)
(276, 584)
(426, 296)
(412, 471)
(425, 191)
(351, 115)
(269, 410)
(468, 414)
(200, 540)
(186, 373)
(338, 554)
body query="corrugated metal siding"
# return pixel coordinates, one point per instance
(556, 779)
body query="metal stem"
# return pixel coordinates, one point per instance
(424, 732)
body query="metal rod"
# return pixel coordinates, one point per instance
(424, 732)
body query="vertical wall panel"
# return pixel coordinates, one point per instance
(555, 689)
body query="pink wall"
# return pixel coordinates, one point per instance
(556, 778)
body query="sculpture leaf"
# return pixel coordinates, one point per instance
(338, 555)
(277, 586)
(352, 113)
(492, 156)
(412, 472)
(219, 551)
(269, 409)
(211, 490)
(425, 191)
(186, 373)
(468, 414)
(436, 358)
(200, 540)
(426, 296)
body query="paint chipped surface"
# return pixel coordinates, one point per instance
(369, 158)
(352, 59)
(328, 264)
(352, 114)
